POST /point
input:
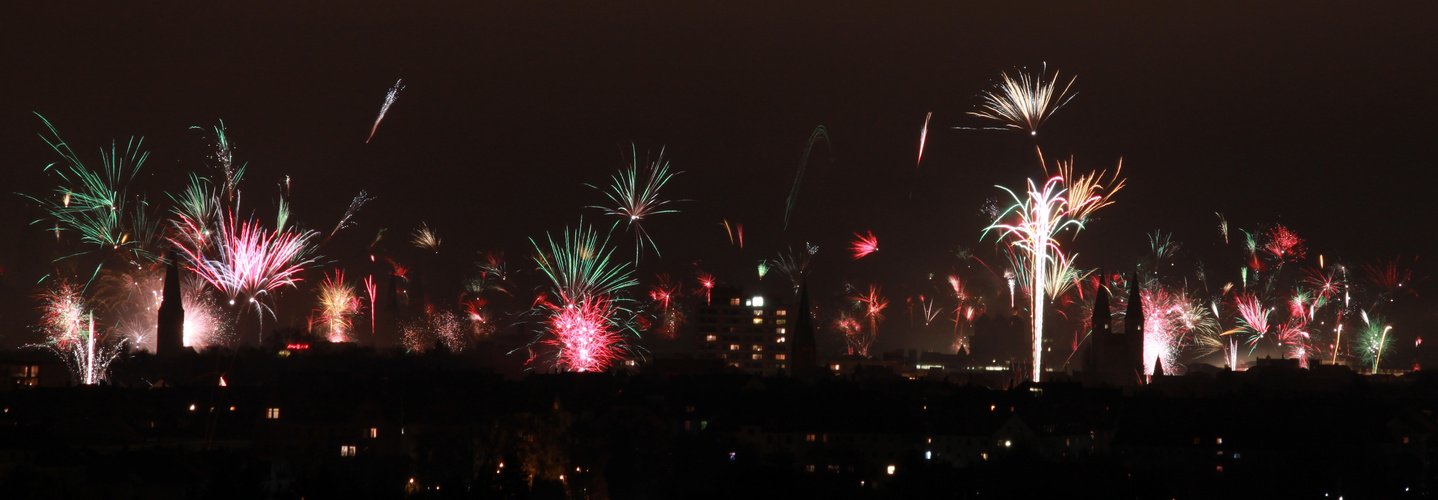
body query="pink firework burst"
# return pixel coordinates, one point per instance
(1284, 244)
(585, 336)
(864, 245)
(252, 261)
(706, 281)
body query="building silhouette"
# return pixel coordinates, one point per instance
(748, 333)
(170, 334)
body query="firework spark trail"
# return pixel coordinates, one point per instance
(1392, 278)
(97, 204)
(64, 319)
(795, 266)
(1089, 192)
(425, 238)
(856, 339)
(585, 323)
(872, 306)
(1284, 244)
(1026, 102)
(196, 211)
(1222, 227)
(1372, 341)
(370, 289)
(1039, 218)
(930, 313)
(820, 133)
(338, 305)
(763, 268)
(389, 98)
(636, 197)
(251, 260)
(355, 204)
(923, 137)
(224, 161)
(1253, 316)
(864, 245)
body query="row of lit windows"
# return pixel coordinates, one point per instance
(715, 338)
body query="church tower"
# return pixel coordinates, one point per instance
(1101, 331)
(804, 347)
(1133, 329)
(170, 335)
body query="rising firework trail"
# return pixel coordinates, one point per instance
(388, 101)
(355, 204)
(635, 196)
(819, 134)
(223, 159)
(1024, 102)
(923, 137)
(706, 281)
(1037, 219)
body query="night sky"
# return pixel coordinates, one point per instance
(1315, 115)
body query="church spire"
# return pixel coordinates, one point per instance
(170, 333)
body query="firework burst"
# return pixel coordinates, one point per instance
(587, 322)
(1024, 102)
(636, 196)
(425, 238)
(337, 307)
(65, 318)
(864, 245)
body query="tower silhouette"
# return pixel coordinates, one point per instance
(170, 334)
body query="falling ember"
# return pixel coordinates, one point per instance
(388, 101)
(864, 245)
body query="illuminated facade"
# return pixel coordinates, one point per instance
(751, 333)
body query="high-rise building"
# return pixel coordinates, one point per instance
(748, 332)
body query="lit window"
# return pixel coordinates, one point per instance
(891, 470)
(780, 321)
(834, 367)
(757, 302)
(781, 331)
(347, 451)
(373, 432)
(757, 356)
(810, 438)
(733, 347)
(780, 339)
(734, 301)
(782, 357)
(758, 347)
(711, 338)
(758, 312)
(781, 312)
(272, 413)
(760, 321)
